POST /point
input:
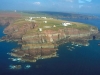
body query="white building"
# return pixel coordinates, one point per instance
(30, 19)
(54, 25)
(40, 29)
(45, 21)
(44, 17)
(66, 24)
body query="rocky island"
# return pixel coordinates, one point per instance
(40, 36)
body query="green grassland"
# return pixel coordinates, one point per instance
(50, 22)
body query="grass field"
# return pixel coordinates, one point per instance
(50, 23)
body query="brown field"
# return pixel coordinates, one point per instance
(9, 14)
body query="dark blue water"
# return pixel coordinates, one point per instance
(80, 61)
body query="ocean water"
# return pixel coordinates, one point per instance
(83, 60)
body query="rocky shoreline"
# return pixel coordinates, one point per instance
(38, 49)
(44, 44)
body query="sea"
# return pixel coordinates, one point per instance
(84, 60)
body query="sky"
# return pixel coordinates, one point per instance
(78, 6)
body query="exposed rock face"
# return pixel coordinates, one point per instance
(95, 36)
(40, 45)
(50, 36)
(16, 32)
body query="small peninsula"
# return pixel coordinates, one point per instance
(40, 35)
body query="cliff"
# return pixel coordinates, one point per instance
(41, 36)
(38, 44)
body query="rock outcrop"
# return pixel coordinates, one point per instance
(40, 45)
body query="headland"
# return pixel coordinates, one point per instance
(40, 35)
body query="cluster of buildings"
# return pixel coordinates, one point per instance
(63, 24)
(66, 23)
(31, 19)
(38, 17)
